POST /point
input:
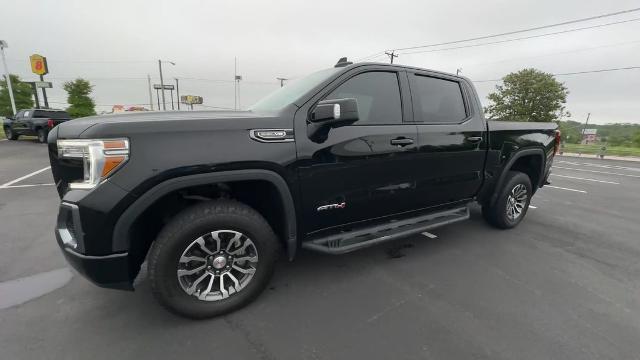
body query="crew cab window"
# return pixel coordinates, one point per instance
(378, 96)
(25, 114)
(19, 114)
(438, 100)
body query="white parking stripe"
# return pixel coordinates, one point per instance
(429, 235)
(6, 185)
(26, 185)
(568, 189)
(597, 172)
(532, 207)
(616, 167)
(579, 178)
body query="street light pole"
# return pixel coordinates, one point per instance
(3, 44)
(178, 93)
(164, 105)
(150, 93)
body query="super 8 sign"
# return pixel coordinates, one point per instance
(38, 64)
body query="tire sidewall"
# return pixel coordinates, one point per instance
(42, 139)
(515, 178)
(173, 242)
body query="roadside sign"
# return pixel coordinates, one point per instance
(42, 84)
(191, 99)
(39, 64)
(166, 87)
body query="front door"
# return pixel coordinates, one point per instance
(363, 171)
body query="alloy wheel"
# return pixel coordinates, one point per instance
(217, 265)
(516, 201)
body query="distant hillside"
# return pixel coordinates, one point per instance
(612, 134)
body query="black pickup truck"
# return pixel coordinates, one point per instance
(35, 122)
(345, 158)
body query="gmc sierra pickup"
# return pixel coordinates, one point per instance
(345, 158)
(36, 122)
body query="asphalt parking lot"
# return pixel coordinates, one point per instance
(565, 284)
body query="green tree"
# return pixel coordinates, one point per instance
(22, 94)
(636, 139)
(571, 131)
(78, 97)
(528, 95)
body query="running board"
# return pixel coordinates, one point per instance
(358, 239)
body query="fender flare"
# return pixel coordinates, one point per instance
(509, 164)
(121, 238)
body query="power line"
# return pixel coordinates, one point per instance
(558, 53)
(574, 73)
(522, 38)
(522, 30)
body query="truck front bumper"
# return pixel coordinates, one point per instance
(110, 270)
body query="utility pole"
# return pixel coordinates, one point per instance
(164, 106)
(178, 93)
(235, 83)
(3, 44)
(171, 92)
(391, 55)
(150, 93)
(282, 80)
(585, 126)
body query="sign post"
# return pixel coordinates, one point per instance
(39, 67)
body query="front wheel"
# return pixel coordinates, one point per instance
(512, 203)
(212, 258)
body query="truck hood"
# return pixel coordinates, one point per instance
(177, 121)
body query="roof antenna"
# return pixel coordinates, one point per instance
(342, 62)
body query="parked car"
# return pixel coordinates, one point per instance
(36, 122)
(343, 159)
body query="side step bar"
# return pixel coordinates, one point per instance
(357, 239)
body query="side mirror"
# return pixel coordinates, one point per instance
(331, 114)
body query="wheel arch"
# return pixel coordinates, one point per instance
(529, 161)
(122, 239)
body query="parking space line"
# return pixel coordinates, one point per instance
(6, 185)
(615, 167)
(586, 179)
(429, 235)
(563, 188)
(596, 171)
(25, 185)
(532, 207)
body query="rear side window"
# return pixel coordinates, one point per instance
(438, 100)
(50, 114)
(378, 96)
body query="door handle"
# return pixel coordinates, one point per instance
(401, 141)
(474, 139)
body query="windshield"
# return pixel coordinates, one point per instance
(292, 91)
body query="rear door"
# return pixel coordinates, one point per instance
(360, 172)
(20, 122)
(451, 138)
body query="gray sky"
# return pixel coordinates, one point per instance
(115, 44)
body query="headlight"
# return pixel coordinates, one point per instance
(100, 158)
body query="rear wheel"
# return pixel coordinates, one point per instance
(10, 134)
(512, 203)
(212, 258)
(42, 135)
